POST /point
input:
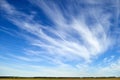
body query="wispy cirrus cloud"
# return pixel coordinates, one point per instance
(74, 39)
(80, 32)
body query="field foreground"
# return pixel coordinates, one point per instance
(60, 79)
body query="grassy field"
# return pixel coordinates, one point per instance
(63, 79)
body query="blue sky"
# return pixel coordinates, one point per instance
(60, 38)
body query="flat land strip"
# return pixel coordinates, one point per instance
(61, 79)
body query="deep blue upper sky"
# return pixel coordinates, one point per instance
(68, 38)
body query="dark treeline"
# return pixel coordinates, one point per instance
(55, 77)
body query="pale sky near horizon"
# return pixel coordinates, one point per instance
(60, 38)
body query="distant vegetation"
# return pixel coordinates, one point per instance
(57, 78)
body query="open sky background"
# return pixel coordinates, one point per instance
(60, 38)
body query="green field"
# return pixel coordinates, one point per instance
(60, 79)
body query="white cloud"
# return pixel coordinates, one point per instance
(113, 69)
(108, 59)
(7, 7)
(82, 70)
(93, 40)
(69, 40)
(8, 31)
(23, 58)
